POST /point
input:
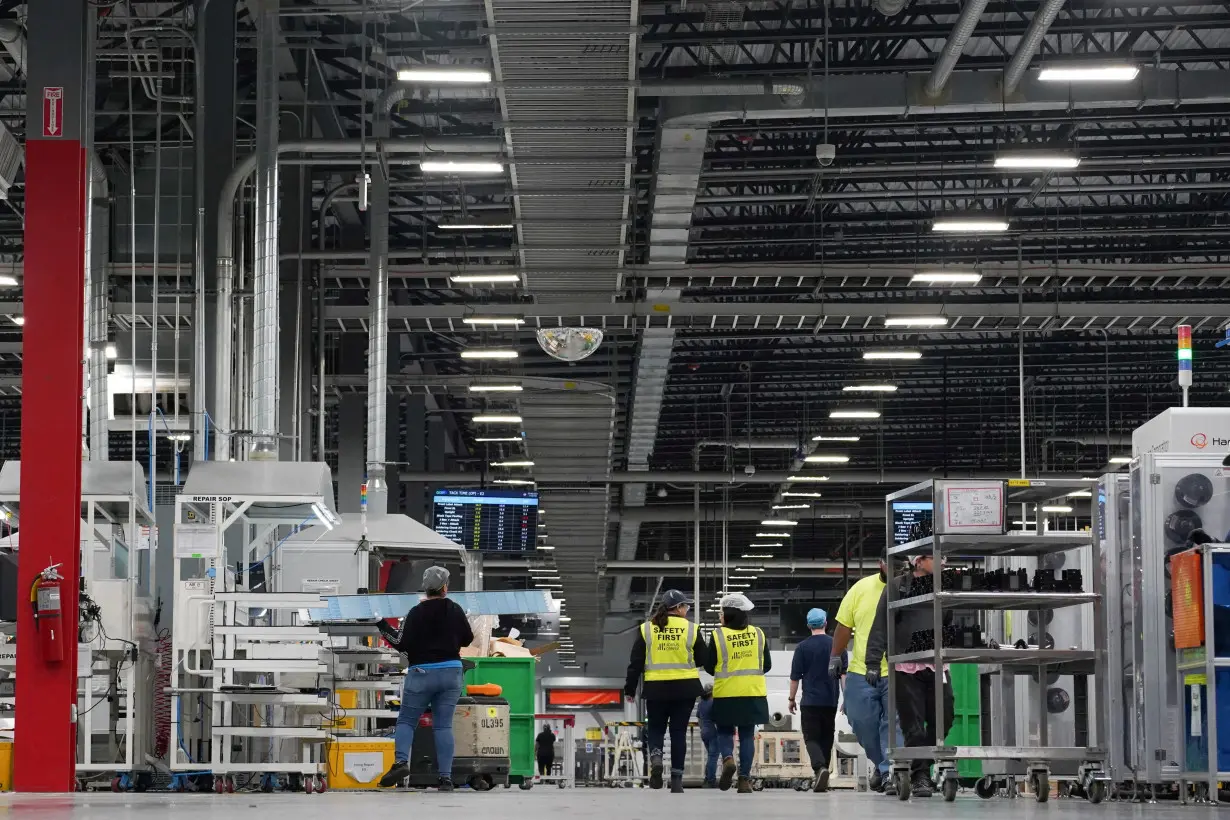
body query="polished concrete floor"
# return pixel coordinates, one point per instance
(595, 803)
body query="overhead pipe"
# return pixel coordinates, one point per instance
(264, 443)
(226, 242)
(835, 477)
(378, 305)
(200, 422)
(962, 30)
(681, 569)
(98, 232)
(1029, 44)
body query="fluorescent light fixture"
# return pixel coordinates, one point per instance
(764, 545)
(778, 523)
(793, 494)
(19, 320)
(494, 321)
(434, 166)
(512, 464)
(1056, 508)
(493, 418)
(969, 225)
(773, 535)
(1080, 494)
(1092, 73)
(549, 586)
(869, 388)
(826, 459)
(749, 569)
(7, 281)
(757, 555)
(854, 414)
(444, 75)
(111, 351)
(806, 477)
(485, 278)
(946, 277)
(476, 226)
(738, 586)
(518, 482)
(792, 506)
(501, 440)
(179, 436)
(540, 546)
(489, 353)
(495, 388)
(1121, 460)
(916, 321)
(1019, 523)
(1037, 161)
(892, 355)
(743, 577)
(322, 517)
(847, 439)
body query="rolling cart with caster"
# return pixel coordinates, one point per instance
(993, 574)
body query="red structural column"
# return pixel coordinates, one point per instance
(53, 349)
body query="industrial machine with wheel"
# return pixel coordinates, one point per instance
(481, 732)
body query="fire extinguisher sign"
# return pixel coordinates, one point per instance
(53, 111)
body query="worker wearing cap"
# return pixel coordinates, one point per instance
(432, 635)
(821, 693)
(667, 653)
(738, 662)
(866, 699)
(916, 682)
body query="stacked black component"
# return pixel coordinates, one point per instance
(1069, 580)
(954, 636)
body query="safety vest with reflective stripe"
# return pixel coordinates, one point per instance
(739, 672)
(668, 652)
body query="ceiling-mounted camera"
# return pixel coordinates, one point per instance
(826, 153)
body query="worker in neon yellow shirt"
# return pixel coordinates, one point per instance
(866, 701)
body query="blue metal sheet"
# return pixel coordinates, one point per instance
(369, 607)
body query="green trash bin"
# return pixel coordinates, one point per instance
(518, 678)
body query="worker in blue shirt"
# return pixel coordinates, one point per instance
(708, 736)
(820, 696)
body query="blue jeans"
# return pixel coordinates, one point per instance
(435, 689)
(711, 758)
(867, 708)
(747, 746)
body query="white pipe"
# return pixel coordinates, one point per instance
(97, 254)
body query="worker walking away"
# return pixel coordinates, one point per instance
(821, 694)
(738, 662)
(667, 651)
(916, 682)
(432, 635)
(544, 750)
(866, 700)
(708, 736)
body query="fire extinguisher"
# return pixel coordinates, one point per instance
(48, 612)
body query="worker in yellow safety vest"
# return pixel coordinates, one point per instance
(667, 653)
(738, 662)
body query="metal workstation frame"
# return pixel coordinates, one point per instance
(239, 647)
(118, 548)
(981, 536)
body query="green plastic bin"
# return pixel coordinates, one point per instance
(518, 677)
(967, 712)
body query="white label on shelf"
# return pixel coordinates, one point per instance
(975, 506)
(1197, 729)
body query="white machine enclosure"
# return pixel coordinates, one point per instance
(1111, 528)
(1169, 494)
(1184, 430)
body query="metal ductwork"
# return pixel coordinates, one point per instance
(265, 316)
(652, 369)
(1028, 46)
(683, 569)
(98, 254)
(226, 246)
(962, 30)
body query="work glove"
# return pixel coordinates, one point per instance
(835, 669)
(873, 677)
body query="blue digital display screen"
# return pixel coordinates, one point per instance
(905, 515)
(488, 520)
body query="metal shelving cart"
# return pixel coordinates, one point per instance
(969, 526)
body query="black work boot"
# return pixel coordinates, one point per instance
(655, 770)
(445, 784)
(821, 781)
(395, 775)
(921, 785)
(676, 783)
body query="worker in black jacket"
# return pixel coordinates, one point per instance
(432, 635)
(915, 682)
(668, 652)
